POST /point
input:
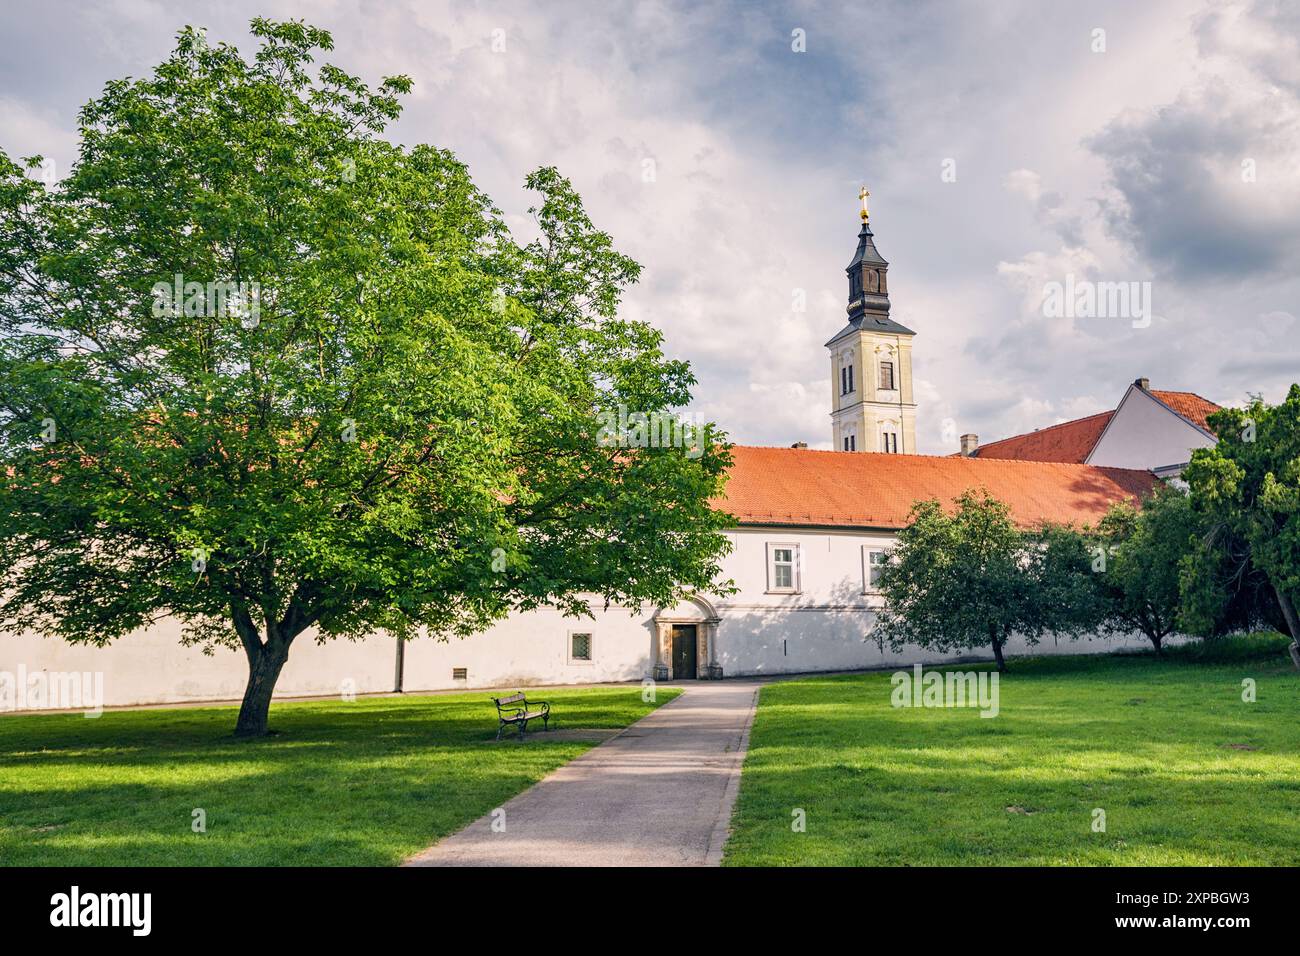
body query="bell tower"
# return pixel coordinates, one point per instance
(871, 360)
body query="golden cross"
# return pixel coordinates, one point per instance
(863, 194)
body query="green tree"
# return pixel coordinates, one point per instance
(1221, 590)
(1139, 565)
(971, 579)
(1247, 488)
(264, 371)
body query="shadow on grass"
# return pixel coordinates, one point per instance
(363, 783)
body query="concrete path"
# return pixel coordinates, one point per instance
(658, 794)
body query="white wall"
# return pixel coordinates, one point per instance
(820, 628)
(151, 667)
(1145, 434)
(825, 626)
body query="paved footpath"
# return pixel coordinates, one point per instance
(658, 794)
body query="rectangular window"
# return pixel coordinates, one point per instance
(873, 562)
(459, 673)
(887, 376)
(783, 568)
(580, 647)
(846, 442)
(890, 442)
(850, 379)
(853, 443)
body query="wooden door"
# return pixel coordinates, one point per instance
(683, 652)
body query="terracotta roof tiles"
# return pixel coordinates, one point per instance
(799, 486)
(1190, 405)
(1067, 442)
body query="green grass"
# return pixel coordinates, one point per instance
(1147, 741)
(367, 783)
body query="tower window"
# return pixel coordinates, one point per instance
(890, 441)
(887, 376)
(850, 442)
(846, 379)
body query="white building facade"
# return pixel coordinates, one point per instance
(804, 598)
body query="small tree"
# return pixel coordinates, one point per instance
(1139, 563)
(263, 371)
(1247, 488)
(972, 579)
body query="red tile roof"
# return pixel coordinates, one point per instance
(1066, 442)
(1190, 405)
(799, 486)
(1073, 441)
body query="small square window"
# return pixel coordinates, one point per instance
(580, 647)
(459, 673)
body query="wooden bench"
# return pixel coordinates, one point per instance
(516, 709)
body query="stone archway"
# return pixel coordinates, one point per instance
(695, 611)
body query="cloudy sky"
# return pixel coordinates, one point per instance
(1165, 149)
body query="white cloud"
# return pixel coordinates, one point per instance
(758, 153)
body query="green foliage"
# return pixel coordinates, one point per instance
(1247, 489)
(393, 428)
(971, 579)
(1143, 551)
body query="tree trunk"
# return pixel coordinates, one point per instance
(264, 666)
(1292, 623)
(997, 653)
(1156, 639)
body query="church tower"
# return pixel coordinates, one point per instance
(871, 361)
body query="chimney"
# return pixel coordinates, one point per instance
(1144, 384)
(968, 445)
(800, 444)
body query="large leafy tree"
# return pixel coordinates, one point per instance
(1247, 488)
(1140, 564)
(969, 578)
(395, 427)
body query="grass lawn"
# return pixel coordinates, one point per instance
(1186, 772)
(368, 782)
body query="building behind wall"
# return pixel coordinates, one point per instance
(812, 526)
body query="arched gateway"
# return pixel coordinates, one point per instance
(685, 645)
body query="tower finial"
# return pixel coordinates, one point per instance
(863, 194)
